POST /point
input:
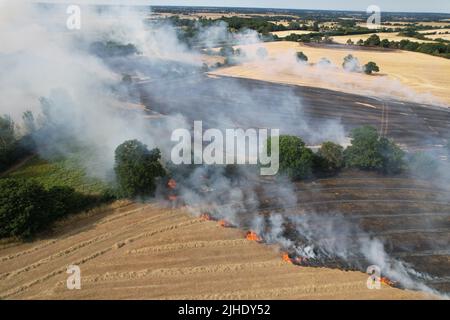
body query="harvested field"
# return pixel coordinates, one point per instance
(412, 73)
(283, 34)
(143, 251)
(410, 216)
(364, 25)
(438, 31)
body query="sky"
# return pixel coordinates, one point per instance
(440, 6)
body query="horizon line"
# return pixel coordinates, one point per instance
(239, 7)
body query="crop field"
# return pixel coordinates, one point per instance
(143, 251)
(423, 74)
(410, 216)
(283, 34)
(63, 172)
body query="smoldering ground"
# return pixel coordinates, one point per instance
(86, 104)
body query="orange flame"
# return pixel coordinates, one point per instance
(205, 217)
(172, 184)
(387, 281)
(252, 236)
(286, 257)
(224, 224)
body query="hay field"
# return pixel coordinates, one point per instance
(441, 36)
(404, 75)
(364, 24)
(283, 34)
(441, 33)
(391, 36)
(434, 24)
(142, 251)
(443, 30)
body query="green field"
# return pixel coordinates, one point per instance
(61, 172)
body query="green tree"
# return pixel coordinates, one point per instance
(26, 207)
(350, 42)
(8, 142)
(29, 123)
(7, 132)
(226, 51)
(373, 40)
(296, 160)
(23, 208)
(351, 63)
(385, 43)
(137, 168)
(315, 26)
(393, 156)
(370, 152)
(330, 157)
(371, 67)
(301, 56)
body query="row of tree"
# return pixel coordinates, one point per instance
(440, 49)
(350, 63)
(26, 207)
(368, 151)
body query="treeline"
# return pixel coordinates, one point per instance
(439, 49)
(112, 49)
(324, 36)
(14, 145)
(26, 207)
(368, 151)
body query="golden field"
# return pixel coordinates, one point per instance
(404, 75)
(283, 34)
(143, 251)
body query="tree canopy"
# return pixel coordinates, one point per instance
(371, 152)
(301, 56)
(296, 160)
(371, 67)
(137, 168)
(26, 207)
(330, 157)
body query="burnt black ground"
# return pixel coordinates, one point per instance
(414, 125)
